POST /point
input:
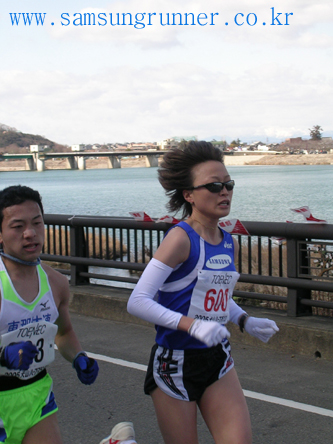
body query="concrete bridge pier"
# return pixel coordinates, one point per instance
(72, 162)
(30, 164)
(40, 163)
(151, 160)
(114, 162)
(81, 163)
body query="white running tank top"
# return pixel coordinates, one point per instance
(28, 321)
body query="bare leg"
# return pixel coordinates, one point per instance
(177, 419)
(224, 409)
(47, 431)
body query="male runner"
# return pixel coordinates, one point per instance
(34, 314)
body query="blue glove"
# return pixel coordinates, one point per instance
(86, 368)
(18, 355)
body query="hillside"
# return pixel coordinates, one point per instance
(13, 141)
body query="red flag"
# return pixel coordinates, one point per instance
(305, 211)
(141, 216)
(169, 219)
(233, 226)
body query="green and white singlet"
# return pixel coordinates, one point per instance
(23, 321)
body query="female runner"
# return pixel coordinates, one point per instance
(192, 275)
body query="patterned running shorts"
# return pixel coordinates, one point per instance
(185, 374)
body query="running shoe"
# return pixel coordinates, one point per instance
(121, 432)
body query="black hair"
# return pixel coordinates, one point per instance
(16, 195)
(175, 172)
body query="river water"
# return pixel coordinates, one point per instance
(262, 193)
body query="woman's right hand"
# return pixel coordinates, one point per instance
(209, 332)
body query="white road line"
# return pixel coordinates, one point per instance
(288, 403)
(118, 361)
(247, 393)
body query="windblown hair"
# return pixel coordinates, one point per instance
(175, 172)
(16, 195)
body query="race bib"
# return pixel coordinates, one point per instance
(211, 295)
(42, 335)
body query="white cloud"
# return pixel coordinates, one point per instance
(99, 84)
(128, 104)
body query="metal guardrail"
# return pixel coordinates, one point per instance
(290, 271)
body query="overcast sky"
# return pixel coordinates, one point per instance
(76, 83)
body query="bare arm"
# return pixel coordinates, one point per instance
(66, 339)
(174, 249)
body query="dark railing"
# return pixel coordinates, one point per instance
(279, 263)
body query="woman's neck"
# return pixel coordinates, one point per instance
(207, 229)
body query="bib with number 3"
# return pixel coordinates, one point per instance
(41, 334)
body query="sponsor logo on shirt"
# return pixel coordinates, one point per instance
(44, 306)
(219, 261)
(227, 245)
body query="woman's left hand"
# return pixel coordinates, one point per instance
(262, 329)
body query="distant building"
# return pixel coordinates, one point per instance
(254, 145)
(262, 148)
(137, 146)
(174, 142)
(167, 143)
(120, 146)
(141, 146)
(79, 147)
(163, 144)
(36, 148)
(294, 140)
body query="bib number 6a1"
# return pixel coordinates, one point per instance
(216, 300)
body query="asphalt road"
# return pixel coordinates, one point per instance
(87, 413)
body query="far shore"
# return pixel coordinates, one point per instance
(229, 160)
(280, 159)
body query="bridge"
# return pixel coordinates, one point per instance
(77, 160)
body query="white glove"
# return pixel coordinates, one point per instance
(262, 329)
(209, 332)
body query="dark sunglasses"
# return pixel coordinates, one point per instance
(217, 187)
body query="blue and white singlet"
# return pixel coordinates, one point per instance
(200, 287)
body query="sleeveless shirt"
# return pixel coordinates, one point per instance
(26, 321)
(200, 287)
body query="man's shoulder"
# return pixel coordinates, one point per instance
(54, 276)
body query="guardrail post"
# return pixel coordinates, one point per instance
(295, 295)
(78, 249)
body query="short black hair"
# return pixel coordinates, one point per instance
(16, 195)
